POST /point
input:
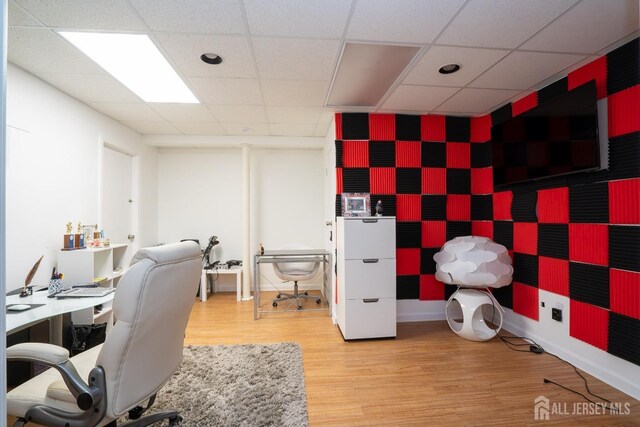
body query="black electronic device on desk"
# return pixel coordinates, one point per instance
(233, 262)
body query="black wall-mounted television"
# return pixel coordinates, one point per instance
(558, 137)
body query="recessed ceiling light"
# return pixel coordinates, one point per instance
(449, 68)
(136, 62)
(211, 58)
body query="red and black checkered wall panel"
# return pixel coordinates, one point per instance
(576, 235)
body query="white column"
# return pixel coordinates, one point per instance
(246, 216)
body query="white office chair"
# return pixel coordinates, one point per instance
(295, 272)
(151, 306)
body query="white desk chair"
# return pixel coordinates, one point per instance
(152, 305)
(295, 272)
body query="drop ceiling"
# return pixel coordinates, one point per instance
(281, 56)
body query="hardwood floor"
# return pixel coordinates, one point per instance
(426, 376)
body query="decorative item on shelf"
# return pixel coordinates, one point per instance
(79, 237)
(379, 208)
(68, 237)
(88, 231)
(96, 233)
(261, 249)
(106, 242)
(356, 204)
(27, 290)
(474, 264)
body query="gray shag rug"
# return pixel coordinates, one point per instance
(238, 385)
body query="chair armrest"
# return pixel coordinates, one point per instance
(47, 354)
(57, 357)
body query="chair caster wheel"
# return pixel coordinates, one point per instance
(306, 293)
(175, 421)
(275, 304)
(318, 301)
(278, 296)
(299, 307)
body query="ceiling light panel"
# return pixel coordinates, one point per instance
(135, 61)
(366, 72)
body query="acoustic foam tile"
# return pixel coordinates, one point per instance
(408, 207)
(339, 149)
(553, 275)
(553, 240)
(482, 181)
(408, 234)
(434, 207)
(408, 287)
(589, 243)
(458, 228)
(458, 129)
(430, 288)
(458, 207)
(595, 70)
(523, 207)
(407, 127)
(524, 104)
(624, 111)
(388, 203)
(355, 126)
(624, 337)
(458, 181)
(432, 128)
(458, 154)
(525, 269)
(408, 154)
(589, 203)
(504, 296)
(408, 261)
(382, 180)
(427, 264)
(554, 89)
(434, 181)
(553, 205)
(624, 249)
(482, 228)
(624, 156)
(382, 153)
(525, 237)
(339, 185)
(503, 233)
(481, 206)
(589, 323)
(481, 155)
(624, 201)
(501, 115)
(525, 300)
(355, 154)
(408, 180)
(434, 154)
(624, 292)
(434, 234)
(355, 180)
(623, 67)
(338, 205)
(382, 127)
(502, 201)
(589, 283)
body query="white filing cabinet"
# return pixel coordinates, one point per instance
(366, 277)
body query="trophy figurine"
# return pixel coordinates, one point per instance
(79, 240)
(68, 238)
(379, 208)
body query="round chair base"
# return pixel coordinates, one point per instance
(469, 303)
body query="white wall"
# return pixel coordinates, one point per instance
(53, 152)
(200, 194)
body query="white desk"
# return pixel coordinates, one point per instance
(236, 269)
(52, 308)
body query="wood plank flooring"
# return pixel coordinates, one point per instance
(426, 376)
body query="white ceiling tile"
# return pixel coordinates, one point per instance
(127, 111)
(184, 52)
(309, 93)
(85, 15)
(472, 63)
(199, 128)
(417, 98)
(411, 21)
(299, 115)
(227, 91)
(295, 129)
(239, 114)
(476, 100)
(183, 112)
(522, 70)
(18, 17)
(295, 18)
(321, 129)
(152, 128)
(91, 87)
(40, 50)
(501, 23)
(302, 59)
(246, 129)
(326, 117)
(192, 16)
(607, 22)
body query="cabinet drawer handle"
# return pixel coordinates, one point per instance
(370, 220)
(370, 300)
(370, 260)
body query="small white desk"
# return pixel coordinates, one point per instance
(52, 308)
(236, 269)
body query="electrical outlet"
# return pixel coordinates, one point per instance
(556, 314)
